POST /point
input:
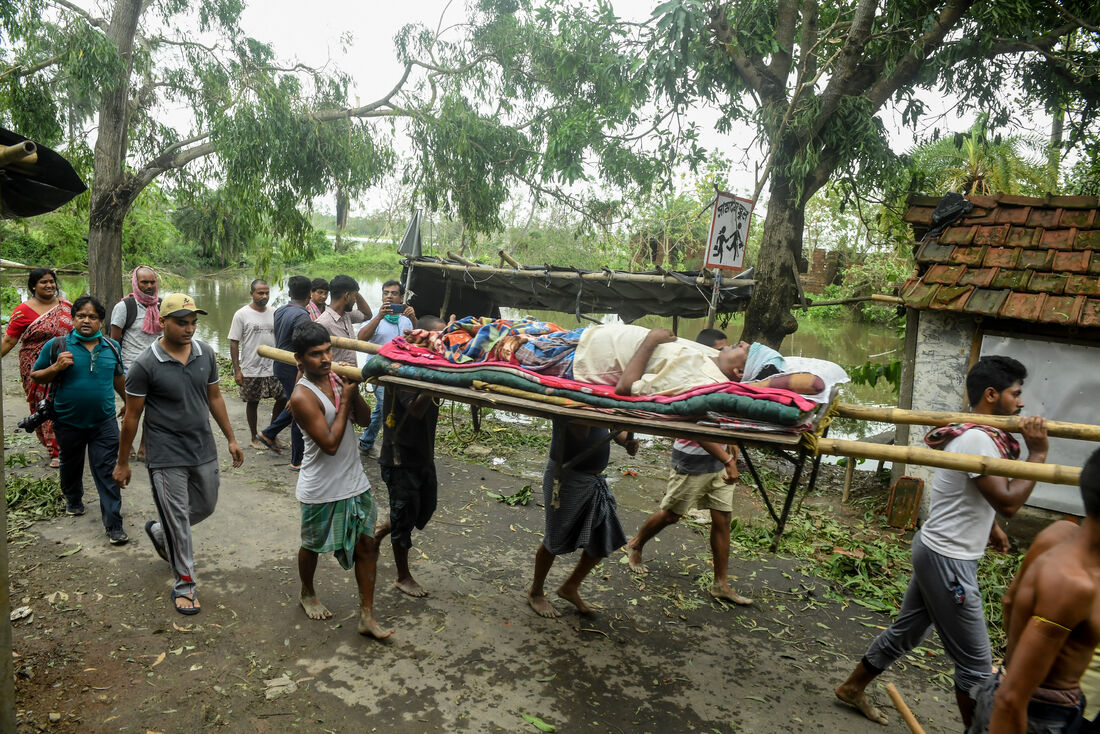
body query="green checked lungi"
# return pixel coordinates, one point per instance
(335, 527)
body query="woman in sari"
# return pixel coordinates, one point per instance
(37, 320)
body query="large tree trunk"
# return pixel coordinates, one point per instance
(111, 194)
(768, 318)
(105, 253)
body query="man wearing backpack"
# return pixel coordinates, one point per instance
(87, 368)
(135, 320)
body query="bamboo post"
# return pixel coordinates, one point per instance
(1011, 423)
(715, 291)
(282, 355)
(906, 714)
(508, 259)
(849, 474)
(1051, 473)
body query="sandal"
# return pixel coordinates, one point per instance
(270, 443)
(192, 597)
(55, 463)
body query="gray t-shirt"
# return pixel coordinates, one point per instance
(134, 341)
(177, 410)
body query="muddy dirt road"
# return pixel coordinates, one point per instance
(104, 652)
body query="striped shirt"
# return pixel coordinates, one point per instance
(688, 457)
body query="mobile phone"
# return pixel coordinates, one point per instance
(397, 308)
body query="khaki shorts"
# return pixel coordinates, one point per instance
(697, 491)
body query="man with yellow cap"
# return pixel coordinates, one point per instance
(175, 384)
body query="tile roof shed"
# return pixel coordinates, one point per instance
(1013, 257)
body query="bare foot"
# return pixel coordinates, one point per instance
(370, 628)
(634, 558)
(572, 596)
(313, 606)
(723, 592)
(410, 587)
(858, 700)
(542, 606)
(257, 445)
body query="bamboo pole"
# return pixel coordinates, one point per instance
(704, 280)
(508, 259)
(1011, 423)
(1052, 473)
(464, 261)
(874, 298)
(903, 709)
(355, 344)
(282, 355)
(12, 265)
(25, 152)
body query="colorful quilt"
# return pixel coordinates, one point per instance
(781, 407)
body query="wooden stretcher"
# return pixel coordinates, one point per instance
(789, 446)
(795, 449)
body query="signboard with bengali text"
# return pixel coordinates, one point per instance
(729, 232)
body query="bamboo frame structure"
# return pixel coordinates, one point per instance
(1011, 423)
(704, 280)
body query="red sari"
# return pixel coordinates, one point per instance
(35, 331)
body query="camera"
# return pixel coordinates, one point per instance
(397, 308)
(43, 412)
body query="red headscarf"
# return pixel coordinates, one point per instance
(151, 325)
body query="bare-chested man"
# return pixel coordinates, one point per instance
(1052, 614)
(338, 512)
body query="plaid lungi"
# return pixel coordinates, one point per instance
(586, 516)
(335, 527)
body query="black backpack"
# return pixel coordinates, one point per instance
(131, 311)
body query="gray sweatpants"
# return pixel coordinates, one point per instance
(942, 592)
(184, 496)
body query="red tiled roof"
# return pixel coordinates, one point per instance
(1013, 257)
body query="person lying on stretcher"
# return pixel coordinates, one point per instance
(639, 361)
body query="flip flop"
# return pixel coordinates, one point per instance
(271, 444)
(185, 610)
(152, 538)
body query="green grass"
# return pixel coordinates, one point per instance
(31, 499)
(867, 564)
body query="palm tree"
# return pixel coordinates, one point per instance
(976, 164)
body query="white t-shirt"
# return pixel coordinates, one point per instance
(134, 340)
(325, 478)
(251, 328)
(960, 518)
(386, 332)
(604, 351)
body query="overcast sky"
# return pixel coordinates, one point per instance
(312, 32)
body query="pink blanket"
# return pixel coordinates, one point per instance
(401, 351)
